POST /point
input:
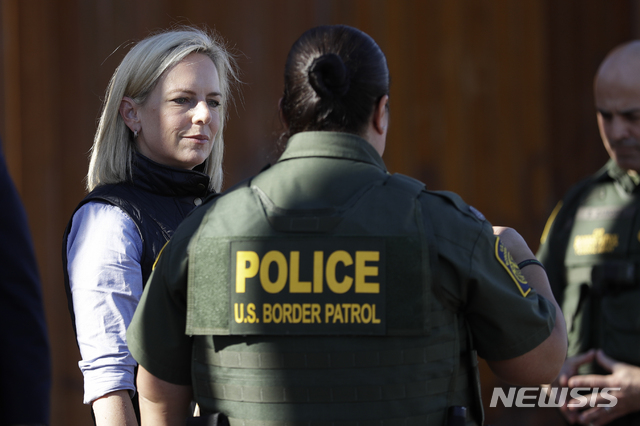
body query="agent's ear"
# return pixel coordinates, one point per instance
(129, 111)
(381, 115)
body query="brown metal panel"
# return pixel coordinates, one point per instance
(579, 35)
(11, 89)
(491, 99)
(42, 110)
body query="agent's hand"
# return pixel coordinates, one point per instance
(568, 371)
(623, 376)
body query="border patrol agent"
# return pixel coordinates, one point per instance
(591, 245)
(326, 291)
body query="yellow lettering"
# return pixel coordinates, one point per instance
(297, 313)
(266, 313)
(375, 320)
(338, 314)
(318, 260)
(363, 271)
(328, 312)
(346, 307)
(295, 285)
(597, 242)
(355, 313)
(247, 263)
(286, 312)
(281, 280)
(251, 314)
(315, 313)
(238, 316)
(332, 281)
(306, 312)
(277, 313)
(365, 313)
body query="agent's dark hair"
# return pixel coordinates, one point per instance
(333, 78)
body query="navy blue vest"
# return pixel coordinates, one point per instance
(157, 199)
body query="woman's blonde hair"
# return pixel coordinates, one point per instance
(114, 147)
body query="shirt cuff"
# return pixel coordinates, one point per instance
(99, 382)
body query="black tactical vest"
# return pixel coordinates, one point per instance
(602, 261)
(157, 199)
(323, 317)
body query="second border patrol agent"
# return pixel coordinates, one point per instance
(592, 252)
(326, 291)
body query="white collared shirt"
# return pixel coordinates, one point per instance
(104, 251)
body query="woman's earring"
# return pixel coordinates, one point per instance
(135, 134)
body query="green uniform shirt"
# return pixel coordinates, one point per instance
(323, 169)
(591, 250)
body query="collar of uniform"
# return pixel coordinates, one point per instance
(628, 182)
(333, 145)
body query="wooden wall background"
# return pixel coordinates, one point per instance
(490, 98)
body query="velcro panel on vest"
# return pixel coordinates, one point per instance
(320, 378)
(328, 394)
(386, 212)
(323, 360)
(364, 395)
(208, 271)
(212, 307)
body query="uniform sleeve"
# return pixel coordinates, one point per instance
(104, 251)
(506, 319)
(156, 335)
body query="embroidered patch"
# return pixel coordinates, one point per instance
(328, 286)
(477, 213)
(598, 242)
(504, 257)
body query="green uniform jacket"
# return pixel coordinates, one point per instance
(591, 251)
(475, 283)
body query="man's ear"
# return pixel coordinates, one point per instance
(381, 115)
(129, 113)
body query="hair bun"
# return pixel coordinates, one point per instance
(328, 76)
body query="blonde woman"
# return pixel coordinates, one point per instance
(157, 154)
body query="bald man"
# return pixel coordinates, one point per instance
(591, 250)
